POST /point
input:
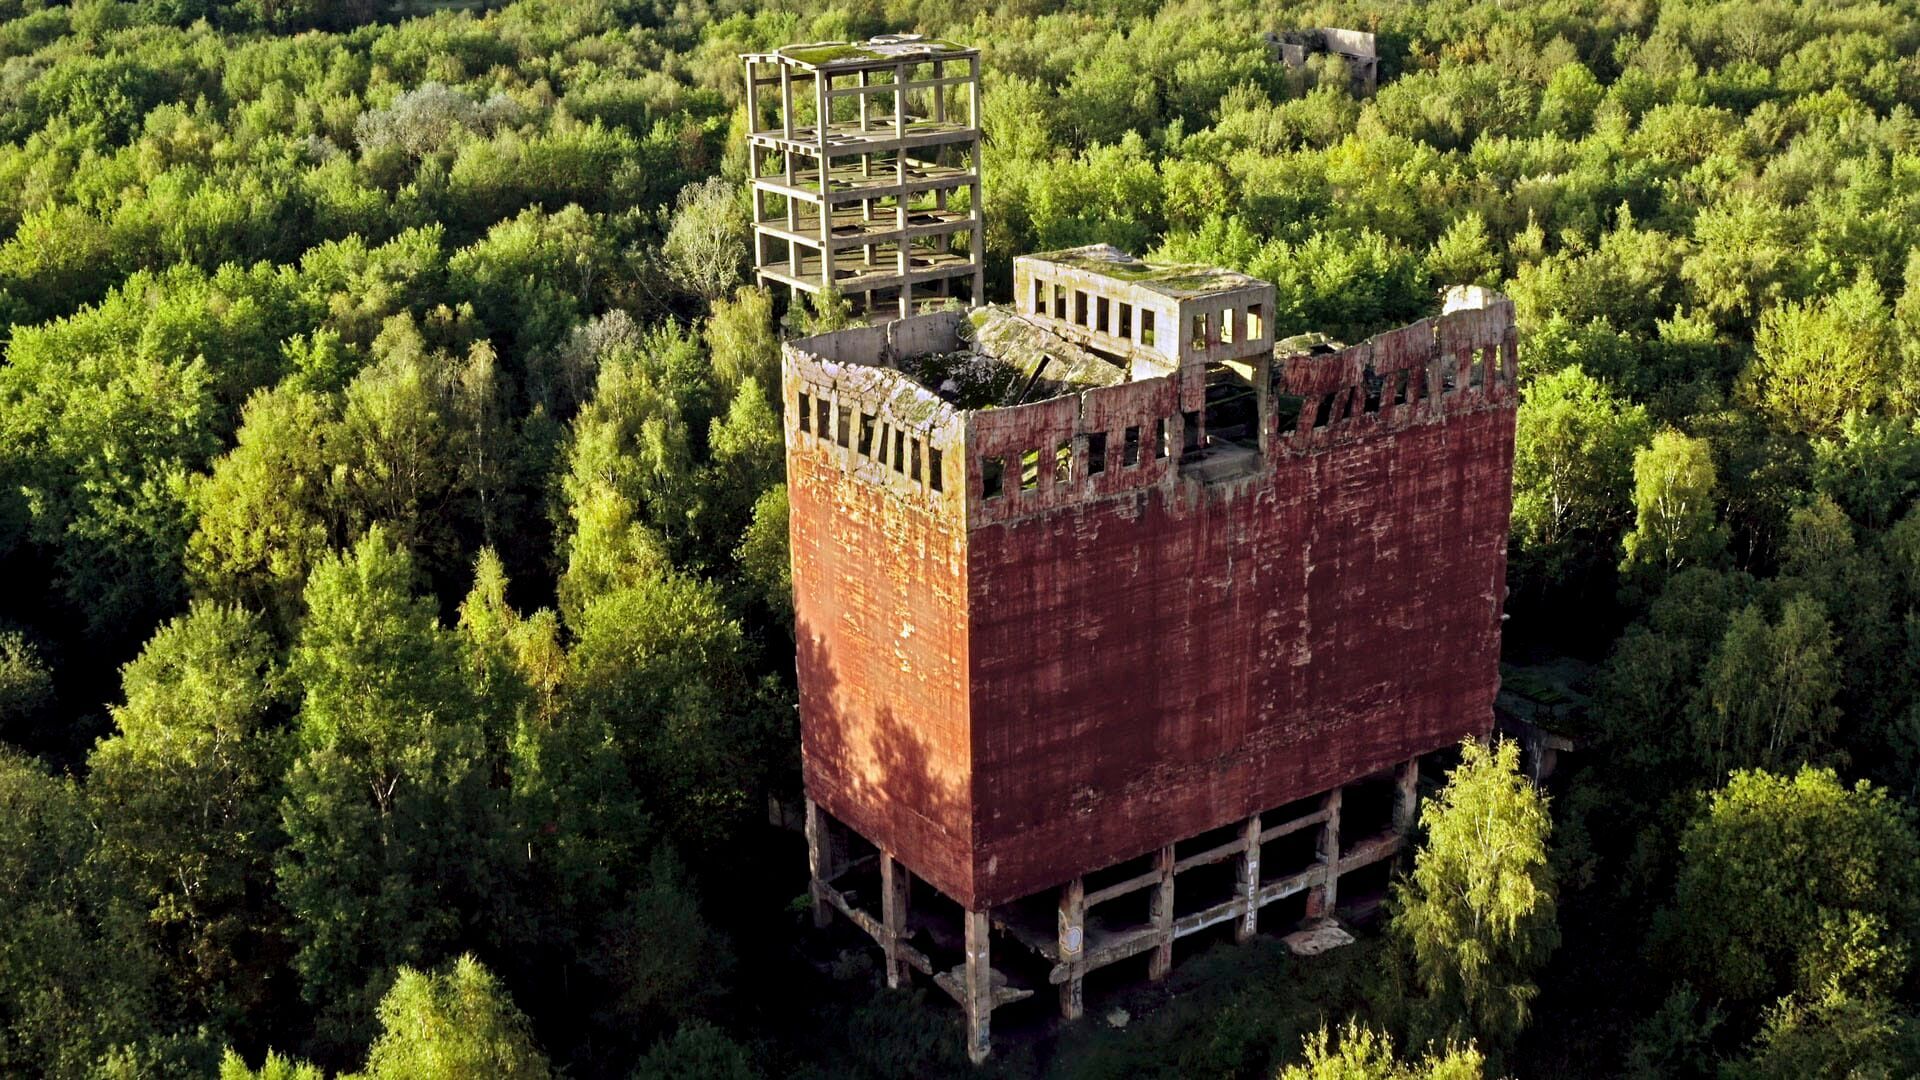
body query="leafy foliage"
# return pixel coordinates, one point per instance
(1477, 913)
(395, 549)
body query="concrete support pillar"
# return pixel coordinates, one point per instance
(977, 242)
(819, 863)
(979, 987)
(823, 107)
(786, 101)
(1406, 797)
(900, 103)
(973, 96)
(1160, 909)
(753, 98)
(1073, 944)
(1247, 882)
(1322, 898)
(792, 179)
(895, 881)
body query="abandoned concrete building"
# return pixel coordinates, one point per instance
(1356, 47)
(865, 164)
(1119, 626)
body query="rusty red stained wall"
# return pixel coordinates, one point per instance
(1144, 669)
(881, 627)
(1096, 669)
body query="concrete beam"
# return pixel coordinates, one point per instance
(1322, 899)
(895, 882)
(819, 858)
(1072, 944)
(1247, 882)
(1161, 908)
(979, 988)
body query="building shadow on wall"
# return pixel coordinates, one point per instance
(867, 760)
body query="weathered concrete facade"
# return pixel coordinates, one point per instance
(1093, 641)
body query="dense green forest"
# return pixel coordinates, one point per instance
(395, 652)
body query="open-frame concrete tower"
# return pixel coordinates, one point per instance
(1118, 626)
(865, 162)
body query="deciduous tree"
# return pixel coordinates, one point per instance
(1477, 915)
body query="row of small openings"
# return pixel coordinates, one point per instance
(1232, 329)
(993, 470)
(1095, 312)
(1389, 389)
(877, 440)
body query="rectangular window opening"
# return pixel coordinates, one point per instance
(1100, 314)
(1146, 328)
(1400, 384)
(1039, 297)
(1160, 438)
(1198, 335)
(844, 432)
(1226, 327)
(934, 477)
(1096, 453)
(1125, 328)
(822, 418)
(1063, 463)
(1323, 415)
(1060, 302)
(993, 471)
(866, 435)
(1079, 307)
(806, 413)
(899, 451)
(1286, 412)
(1130, 448)
(913, 462)
(1256, 322)
(1029, 470)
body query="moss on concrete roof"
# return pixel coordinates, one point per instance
(1179, 280)
(878, 50)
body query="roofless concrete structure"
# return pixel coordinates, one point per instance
(1118, 623)
(1119, 626)
(865, 162)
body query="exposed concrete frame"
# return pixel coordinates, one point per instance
(979, 989)
(819, 187)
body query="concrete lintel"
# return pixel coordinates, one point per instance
(1207, 858)
(1288, 828)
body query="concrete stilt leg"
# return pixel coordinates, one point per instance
(979, 994)
(895, 881)
(1073, 940)
(1160, 961)
(1247, 883)
(1322, 898)
(819, 861)
(1406, 797)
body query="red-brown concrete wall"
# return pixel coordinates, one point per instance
(880, 596)
(1145, 668)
